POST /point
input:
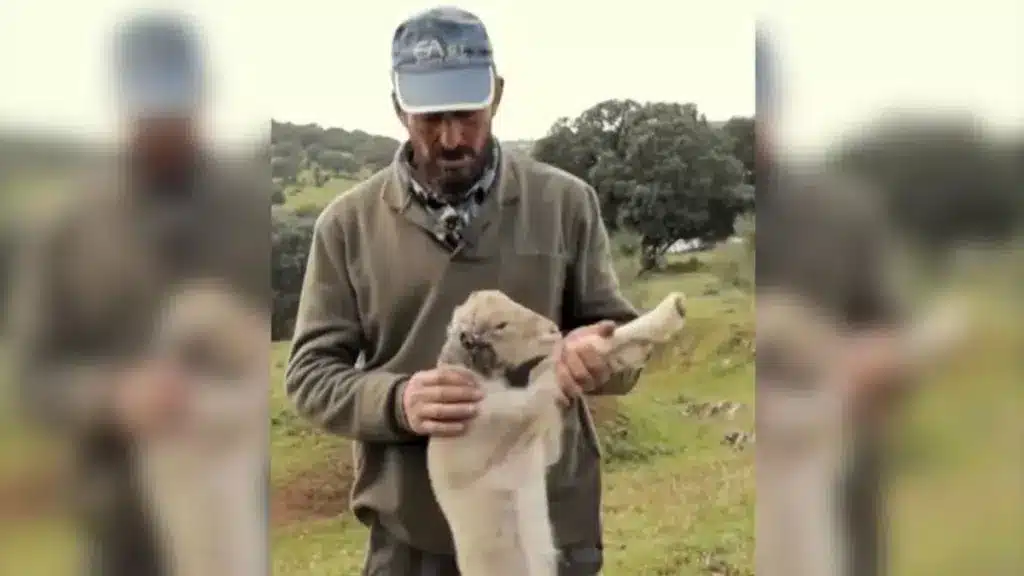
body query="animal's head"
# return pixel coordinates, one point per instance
(492, 334)
(210, 330)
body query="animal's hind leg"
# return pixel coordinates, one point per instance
(550, 427)
(499, 561)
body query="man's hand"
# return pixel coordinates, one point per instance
(873, 364)
(440, 402)
(581, 367)
(149, 398)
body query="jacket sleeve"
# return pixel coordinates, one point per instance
(63, 383)
(593, 291)
(876, 301)
(322, 379)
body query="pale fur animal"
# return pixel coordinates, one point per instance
(205, 483)
(491, 481)
(804, 430)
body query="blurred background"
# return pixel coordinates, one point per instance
(62, 122)
(923, 105)
(922, 102)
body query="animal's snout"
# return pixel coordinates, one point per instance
(470, 341)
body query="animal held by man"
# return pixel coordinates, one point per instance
(805, 429)
(491, 481)
(204, 481)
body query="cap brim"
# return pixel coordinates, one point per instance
(445, 90)
(160, 97)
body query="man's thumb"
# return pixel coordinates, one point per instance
(606, 328)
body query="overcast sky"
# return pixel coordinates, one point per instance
(327, 61)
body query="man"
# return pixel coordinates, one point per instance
(821, 238)
(95, 278)
(391, 259)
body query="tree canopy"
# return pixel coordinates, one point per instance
(291, 238)
(943, 180)
(660, 169)
(294, 147)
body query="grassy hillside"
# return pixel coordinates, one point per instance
(309, 197)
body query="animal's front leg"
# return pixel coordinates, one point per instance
(630, 346)
(535, 414)
(500, 429)
(548, 414)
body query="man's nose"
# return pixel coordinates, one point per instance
(451, 133)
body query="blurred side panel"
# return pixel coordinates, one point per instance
(135, 283)
(889, 269)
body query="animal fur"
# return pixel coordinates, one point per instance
(206, 482)
(491, 481)
(804, 430)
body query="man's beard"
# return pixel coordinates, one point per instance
(163, 152)
(166, 169)
(452, 184)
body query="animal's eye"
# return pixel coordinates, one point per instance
(501, 325)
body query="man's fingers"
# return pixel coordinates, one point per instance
(567, 383)
(438, 428)
(448, 412)
(564, 400)
(452, 394)
(577, 369)
(595, 364)
(451, 376)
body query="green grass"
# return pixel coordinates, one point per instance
(957, 507)
(38, 547)
(308, 197)
(296, 443)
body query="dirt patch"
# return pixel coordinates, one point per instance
(314, 494)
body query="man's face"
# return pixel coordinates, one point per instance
(165, 145)
(450, 148)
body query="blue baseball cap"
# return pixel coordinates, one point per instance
(159, 66)
(441, 61)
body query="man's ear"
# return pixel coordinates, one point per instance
(499, 89)
(402, 117)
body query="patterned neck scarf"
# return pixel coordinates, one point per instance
(452, 215)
